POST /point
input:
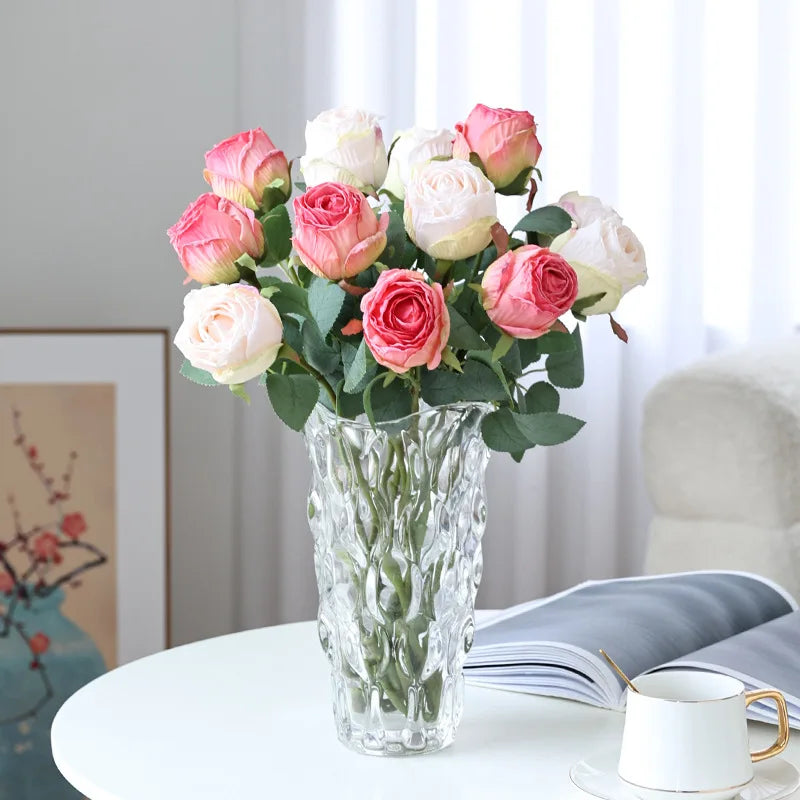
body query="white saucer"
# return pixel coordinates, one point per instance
(597, 775)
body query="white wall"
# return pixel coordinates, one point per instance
(107, 109)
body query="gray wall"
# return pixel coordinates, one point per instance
(107, 109)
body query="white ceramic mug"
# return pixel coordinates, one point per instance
(686, 736)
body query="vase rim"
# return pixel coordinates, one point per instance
(330, 417)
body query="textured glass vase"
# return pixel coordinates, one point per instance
(397, 513)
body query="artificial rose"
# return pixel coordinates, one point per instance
(336, 232)
(344, 145)
(73, 525)
(605, 254)
(406, 323)
(46, 548)
(450, 209)
(212, 233)
(6, 582)
(504, 140)
(410, 149)
(526, 290)
(230, 331)
(242, 167)
(585, 209)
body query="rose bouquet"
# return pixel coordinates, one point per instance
(398, 324)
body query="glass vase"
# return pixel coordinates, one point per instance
(397, 513)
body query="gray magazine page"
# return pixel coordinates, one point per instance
(764, 657)
(641, 622)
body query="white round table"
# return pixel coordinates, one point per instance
(249, 716)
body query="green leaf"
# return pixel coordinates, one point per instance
(462, 335)
(394, 252)
(556, 342)
(325, 300)
(528, 351)
(502, 347)
(293, 397)
(519, 185)
(518, 456)
(542, 396)
(199, 376)
(386, 403)
(318, 353)
(511, 361)
(239, 390)
(477, 383)
(476, 161)
(359, 367)
(301, 185)
(277, 235)
(550, 220)
(501, 433)
(246, 261)
(580, 305)
(548, 427)
(289, 299)
(451, 359)
(496, 367)
(566, 369)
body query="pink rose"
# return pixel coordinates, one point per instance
(527, 290)
(6, 583)
(46, 548)
(242, 167)
(336, 232)
(212, 233)
(505, 141)
(406, 323)
(73, 525)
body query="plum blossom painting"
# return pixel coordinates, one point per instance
(67, 549)
(57, 577)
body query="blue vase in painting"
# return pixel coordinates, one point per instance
(27, 770)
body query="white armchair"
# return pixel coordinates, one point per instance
(721, 446)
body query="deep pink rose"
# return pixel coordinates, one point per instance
(212, 233)
(242, 167)
(336, 232)
(73, 525)
(527, 290)
(504, 139)
(46, 548)
(406, 323)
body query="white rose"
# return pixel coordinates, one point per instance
(607, 257)
(344, 145)
(412, 148)
(450, 209)
(585, 209)
(230, 331)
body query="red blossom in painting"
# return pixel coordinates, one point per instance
(46, 548)
(39, 643)
(73, 525)
(6, 582)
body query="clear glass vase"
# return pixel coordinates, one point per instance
(397, 513)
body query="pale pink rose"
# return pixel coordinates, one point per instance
(46, 548)
(406, 323)
(527, 290)
(243, 166)
(39, 643)
(336, 232)
(505, 140)
(230, 331)
(6, 583)
(211, 234)
(73, 525)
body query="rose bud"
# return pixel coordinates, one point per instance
(344, 145)
(212, 233)
(504, 140)
(526, 290)
(450, 209)
(605, 254)
(406, 323)
(230, 331)
(410, 149)
(243, 166)
(336, 232)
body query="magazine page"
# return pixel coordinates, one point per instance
(766, 657)
(551, 646)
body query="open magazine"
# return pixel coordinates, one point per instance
(734, 623)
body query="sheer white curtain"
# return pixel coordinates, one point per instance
(681, 113)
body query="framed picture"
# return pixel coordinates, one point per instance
(84, 527)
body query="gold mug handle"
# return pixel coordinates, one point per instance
(783, 723)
